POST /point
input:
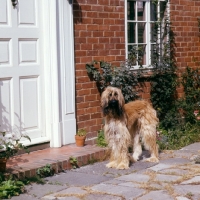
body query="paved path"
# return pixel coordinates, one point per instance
(176, 176)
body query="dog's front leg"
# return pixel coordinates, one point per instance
(113, 155)
(122, 146)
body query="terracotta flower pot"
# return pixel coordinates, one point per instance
(80, 140)
(3, 164)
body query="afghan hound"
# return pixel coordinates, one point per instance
(128, 125)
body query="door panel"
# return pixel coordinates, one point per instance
(21, 68)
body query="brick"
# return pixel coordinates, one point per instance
(92, 40)
(90, 122)
(92, 27)
(109, 8)
(85, 34)
(97, 33)
(91, 97)
(84, 117)
(82, 105)
(97, 21)
(109, 21)
(92, 14)
(96, 115)
(83, 92)
(80, 27)
(103, 15)
(98, 8)
(81, 53)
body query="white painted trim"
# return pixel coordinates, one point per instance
(66, 71)
(51, 73)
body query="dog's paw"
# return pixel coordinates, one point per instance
(135, 158)
(152, 159)
(111, 164)
(123, 166)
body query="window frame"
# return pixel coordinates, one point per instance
(148, 30)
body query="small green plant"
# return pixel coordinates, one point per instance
(74, 162)
(101, 139)
(10, 187)
(33, 179)
(81, 132)
(45, 171)
(92, 161)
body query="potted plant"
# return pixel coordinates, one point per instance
(80, 137)
(9, 146)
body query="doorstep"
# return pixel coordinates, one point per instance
(26, 165)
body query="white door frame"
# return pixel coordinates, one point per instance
(59, 72)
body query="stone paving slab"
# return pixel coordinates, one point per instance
(134, 177)
(182, 198)
(194, 180)
(175, 161)
(166, 178)
(156, 195)
(102, 197)
(126, 192)
(194, 147)
(174, 171)
(160, 167)
(36, 191)
(77, 179)
(191, 190)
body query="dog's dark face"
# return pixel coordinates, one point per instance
(112, 102)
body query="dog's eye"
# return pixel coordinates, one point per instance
(115, 94)
(110, 94)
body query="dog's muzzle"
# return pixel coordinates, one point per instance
(113, 103)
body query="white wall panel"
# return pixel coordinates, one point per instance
(29, 102)
(5, 105)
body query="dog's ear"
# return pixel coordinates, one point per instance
(104, 102)
(120, 98)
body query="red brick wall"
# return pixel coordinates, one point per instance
(99, 35)
(184, 15)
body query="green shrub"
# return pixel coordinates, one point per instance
(180, 137)
(191, 100)
(122, 77)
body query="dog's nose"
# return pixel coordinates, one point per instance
(113, 102)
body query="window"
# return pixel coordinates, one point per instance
(141, 19)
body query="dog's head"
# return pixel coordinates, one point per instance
(112, 101)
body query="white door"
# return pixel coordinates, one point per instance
(21, 69)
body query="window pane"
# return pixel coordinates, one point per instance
(131, 10)
(162, 9)
(141, 33)
(153, 11)
(153, 32)
(154, 53)
(142, 55)
(141, 11)
(131, 32)
(132, 54)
